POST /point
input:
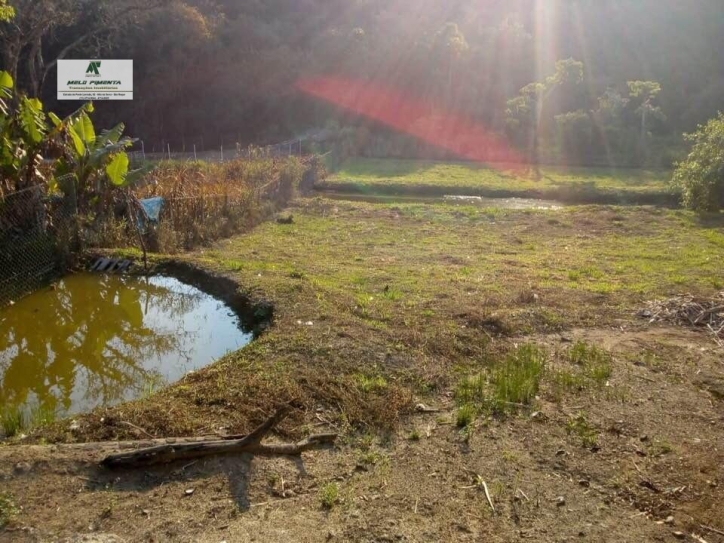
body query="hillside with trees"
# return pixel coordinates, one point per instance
(227, 72)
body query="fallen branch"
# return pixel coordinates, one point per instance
(689, 310)
(251, 444)
(487, 495)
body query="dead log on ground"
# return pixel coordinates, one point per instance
(251, 444)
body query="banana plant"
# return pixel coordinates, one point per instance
(23, 133)
(92, 163)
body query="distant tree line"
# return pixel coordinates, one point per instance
(209, 72)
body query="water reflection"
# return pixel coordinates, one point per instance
(97, 340)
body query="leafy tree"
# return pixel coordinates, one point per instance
(523, 112)
(450, 44)
(701, 176)
(576, 133)
(66, 25)
(645, 93)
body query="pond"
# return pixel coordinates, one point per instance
(478, 201)
(95, 340)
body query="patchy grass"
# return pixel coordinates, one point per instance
(378, 307)
(517, 380)
(511, 384)
(572, 184)
(465, 415)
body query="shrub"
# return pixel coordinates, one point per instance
(701, 176)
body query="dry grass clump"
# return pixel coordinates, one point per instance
(206, 201)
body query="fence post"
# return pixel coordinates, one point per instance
(222, 153)
(195, 152)
(169, 150)
(143, 151)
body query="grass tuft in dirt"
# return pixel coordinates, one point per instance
(329, 495)
(465, 415)
(512, 384)
(587, 366)
(517, 381)
(13, 421)
(371, 384)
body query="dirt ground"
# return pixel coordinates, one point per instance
(659, 456)
(640, 458)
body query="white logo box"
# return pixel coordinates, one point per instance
(95, 79)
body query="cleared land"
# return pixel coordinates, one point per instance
(584, 421)
(573, 184)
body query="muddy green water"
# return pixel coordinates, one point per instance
(96, 340)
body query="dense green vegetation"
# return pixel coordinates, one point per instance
(227, 72)
(701, 175)
(85, 165)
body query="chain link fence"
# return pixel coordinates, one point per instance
(36, 237)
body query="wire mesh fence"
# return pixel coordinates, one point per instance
(41, 234)
(36, 233)
(143, 153)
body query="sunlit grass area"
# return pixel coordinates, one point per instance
(577, 184)
(377, 303)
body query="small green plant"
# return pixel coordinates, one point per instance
(329, 495)
(414, 435)
(13, 421)
(595, 361)
(661, 447)
(517, 381)
(465, 415)
(371, 384)
(369, 458)
(471, 390)
(580, 427)
(392, 294)
(8, 509)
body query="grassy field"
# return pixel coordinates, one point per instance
(573, 184)
(518, 327)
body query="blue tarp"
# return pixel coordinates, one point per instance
(152, 208)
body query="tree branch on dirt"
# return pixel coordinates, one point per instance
(251, 444)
